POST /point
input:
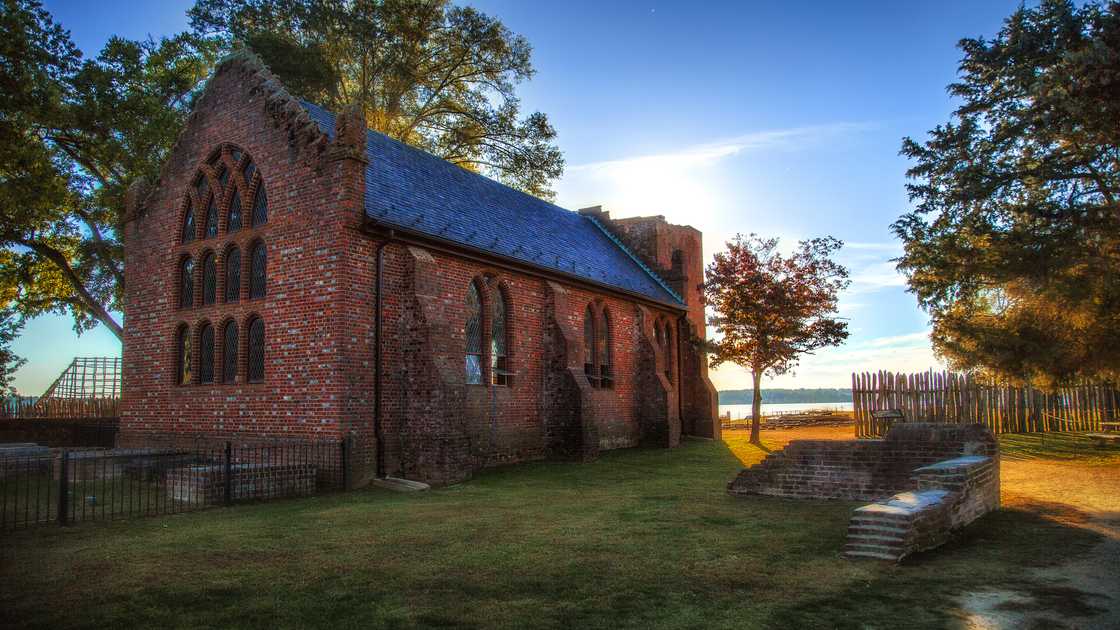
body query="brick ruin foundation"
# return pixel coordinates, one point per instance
(925, 480)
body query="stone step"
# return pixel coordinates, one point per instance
(875, 539)
(872, 555)
(878, 530)
(890, 552)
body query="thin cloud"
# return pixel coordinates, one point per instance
(713, 151)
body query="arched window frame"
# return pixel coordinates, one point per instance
(258, 270)
(184, 372)
(474, 331)
(255, 358)
(668, 351)
(590, 343)
(227, 180)
(604, 351)
(231, 275)
(206, 350)
(500, 337)
(185, 278)
(230, 349)
(188, 229)
(209, 274)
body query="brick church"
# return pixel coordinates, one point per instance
(293, 275)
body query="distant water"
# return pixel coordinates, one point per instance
(744, 411)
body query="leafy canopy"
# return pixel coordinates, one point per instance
(1013, 245)
(431, 74)
(770, 309)
(74, 134)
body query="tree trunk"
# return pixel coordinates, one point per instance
(756, 407)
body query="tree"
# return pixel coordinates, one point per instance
(434, 75)
(11, 324)
(74, 135)
(1013, 246)
(771, 309)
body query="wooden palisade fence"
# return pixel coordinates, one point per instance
(962, 398)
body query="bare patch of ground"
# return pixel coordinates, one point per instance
(1082, 593)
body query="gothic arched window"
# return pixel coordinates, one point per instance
(188, 224)
(590, 359)
(254, 368)
(209, 278)
(474, 336)
(603, 350)
(186, 283)
(206, 354)
(260, 208)
(668, 352)
(234, 222)
(229, 352)
(211, 219)
(183, 356)
(233, 275)
(499, 339)
(258, 272)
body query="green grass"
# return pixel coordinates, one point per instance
(639, 539)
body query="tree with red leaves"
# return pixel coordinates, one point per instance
(770, 309)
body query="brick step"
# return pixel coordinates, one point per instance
(881, 520)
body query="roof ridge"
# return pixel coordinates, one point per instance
(646, 268)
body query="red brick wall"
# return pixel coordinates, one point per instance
(319, 320)
(311, 291)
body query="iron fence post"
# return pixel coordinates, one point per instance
(63, 487)
(229, 473)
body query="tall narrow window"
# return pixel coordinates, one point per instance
(499, 361)
(233, 275)
(229, 352)
(234, 222)
(260, 207)
(212, 219)
(258, 273)
(183, 356)
(188, 224)
(209, 278)
(590, 361)
(206, 354)
(603, 350)
(255, 365)
(668, 352)
(186, 283)
(474, 336)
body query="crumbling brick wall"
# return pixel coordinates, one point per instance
(862, 470)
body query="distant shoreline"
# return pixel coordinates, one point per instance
(783, 396)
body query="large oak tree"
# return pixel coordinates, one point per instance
(770, 309)
(74, 134)
(427, 72)
(1013, 245)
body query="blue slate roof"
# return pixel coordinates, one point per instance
(414, 190)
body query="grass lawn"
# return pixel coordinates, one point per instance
(639, 539)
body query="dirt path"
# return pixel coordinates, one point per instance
(1081, 594)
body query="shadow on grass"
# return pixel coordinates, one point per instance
(992, 553)
(1056, 446)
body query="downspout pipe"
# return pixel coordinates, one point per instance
(680, 372)
(378, 434)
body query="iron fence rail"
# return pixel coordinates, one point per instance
(41, 486)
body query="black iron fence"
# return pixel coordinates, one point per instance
(40, 485)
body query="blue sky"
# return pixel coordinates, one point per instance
(732, 117)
